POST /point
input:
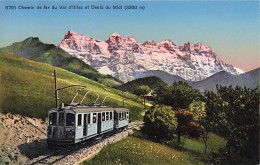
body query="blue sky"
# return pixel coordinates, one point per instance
(230, 28)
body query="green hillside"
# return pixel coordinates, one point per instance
(34, 49)
(27, 88)
(132, 150)
(153, 82)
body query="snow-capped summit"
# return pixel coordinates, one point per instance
(119, 42)
(149, 43)
(126, 59)
(168, 45)
(202, 47)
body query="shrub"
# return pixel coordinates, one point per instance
(160, 123)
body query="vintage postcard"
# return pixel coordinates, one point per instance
(129, 82)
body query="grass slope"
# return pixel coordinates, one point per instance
(27, 88)
(33, 49)
(132, 150)
(153, 82)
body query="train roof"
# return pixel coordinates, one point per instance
(98, 109)
(121, 109)
(84, 109)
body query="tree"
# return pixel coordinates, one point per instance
(234, 113)
(142, 91)
(179, 95)
(184, 117)
(160, 123)
(198, 110)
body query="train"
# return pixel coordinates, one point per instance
(70, 125)
(74, 123)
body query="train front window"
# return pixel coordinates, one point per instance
(53, 118)
(70, 119)
(61, 119)
(120, 116)
(111, 118)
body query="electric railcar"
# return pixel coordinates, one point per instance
(71, 125)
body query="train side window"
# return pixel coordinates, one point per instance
(70, 119)
(103, 116)
(88, 118)
(111, 115)
(61, 119)
(79, 119)
(94, 117)
(53, 118)
(107, 115)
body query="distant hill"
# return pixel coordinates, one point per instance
(249, 79)
(153, 82)
(166, 77)
(33, 49)
(27, 88)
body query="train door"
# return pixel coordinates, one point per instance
(85, 124)
(99, 122)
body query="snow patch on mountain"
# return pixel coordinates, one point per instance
(105, 70)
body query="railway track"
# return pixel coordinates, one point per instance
(46, 159)
(90, 147)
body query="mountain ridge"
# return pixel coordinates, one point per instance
(32, 48)
(125, 58)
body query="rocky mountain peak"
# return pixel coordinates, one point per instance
(69, 34)
(168, 45)
(80, 43)
(117, 41)
(149, 43)
(188, 47)
(202, 47)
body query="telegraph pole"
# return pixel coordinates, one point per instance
(123, 98)
(56, 88)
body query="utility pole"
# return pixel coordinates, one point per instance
(123, 99)
(56, 88)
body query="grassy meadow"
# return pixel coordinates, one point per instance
(27, 88)
(134, 150)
